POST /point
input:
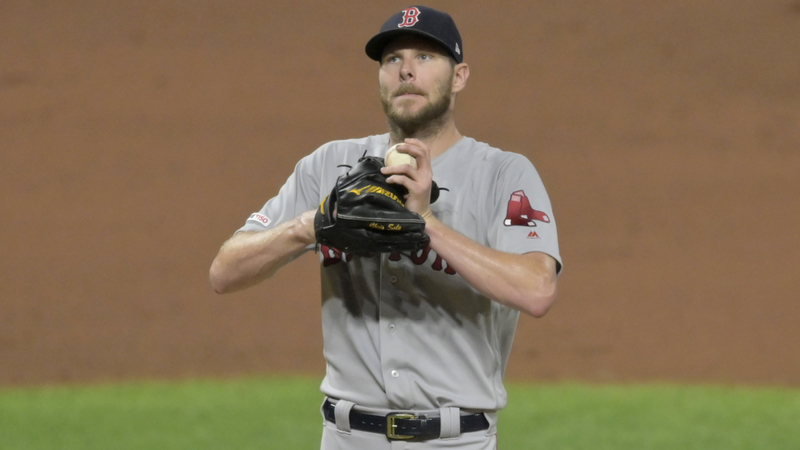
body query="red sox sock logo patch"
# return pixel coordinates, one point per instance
(410, 17)
(520, 212)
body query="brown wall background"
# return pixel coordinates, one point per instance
(136, 136)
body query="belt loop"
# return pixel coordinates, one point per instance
(342, 413)
(451, 422)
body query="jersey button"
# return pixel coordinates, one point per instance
(393, 279)
(391, 327)
(395, 374)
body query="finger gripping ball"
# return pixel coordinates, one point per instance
(395, 158)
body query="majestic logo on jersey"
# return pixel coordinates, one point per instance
(260, 218)
(410, 17)
(520, 212)
(533, 235)
(331, 256)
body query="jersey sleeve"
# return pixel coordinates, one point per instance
(521, 216)
(299, 194)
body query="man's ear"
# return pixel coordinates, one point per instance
(460, 75)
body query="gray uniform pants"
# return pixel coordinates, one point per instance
(339, 436)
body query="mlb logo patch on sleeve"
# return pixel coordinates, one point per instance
(260, 218)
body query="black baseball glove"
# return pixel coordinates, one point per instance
(365, 214)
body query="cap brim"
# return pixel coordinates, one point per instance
(378, 43)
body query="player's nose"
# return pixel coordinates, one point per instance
(406, 71)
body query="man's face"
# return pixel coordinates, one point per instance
(416, 82)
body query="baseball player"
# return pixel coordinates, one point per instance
(416, 342)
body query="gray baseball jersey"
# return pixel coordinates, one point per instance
(405, 331)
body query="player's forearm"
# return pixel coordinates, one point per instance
(523, 282)
(248, 258)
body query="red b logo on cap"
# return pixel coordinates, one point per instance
(410, 17)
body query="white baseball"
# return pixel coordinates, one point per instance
(395, 158)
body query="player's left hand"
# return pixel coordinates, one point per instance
(417, 180)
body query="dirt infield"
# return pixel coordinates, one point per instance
(136, 136)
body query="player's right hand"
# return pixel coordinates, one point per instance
(418, 181)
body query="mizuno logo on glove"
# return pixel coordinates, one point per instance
(378, 190)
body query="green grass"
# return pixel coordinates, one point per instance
(650, 417)
(278, 413)
(242, 414)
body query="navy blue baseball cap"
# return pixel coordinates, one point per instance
(422, 21)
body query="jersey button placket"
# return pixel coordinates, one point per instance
(391, 349)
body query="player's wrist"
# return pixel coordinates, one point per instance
(427, 215)
(304, 228)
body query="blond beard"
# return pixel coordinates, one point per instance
(426, 122)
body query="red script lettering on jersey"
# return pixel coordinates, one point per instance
(331, 256)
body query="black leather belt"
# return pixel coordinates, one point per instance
(404, 425)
